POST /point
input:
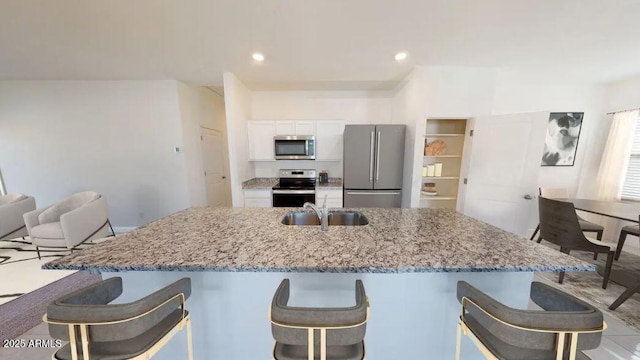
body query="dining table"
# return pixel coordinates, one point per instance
(621, 210)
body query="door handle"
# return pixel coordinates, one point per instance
(224, 177)
(374, 193)
(378, 157)
(528, 197)
(371, 159)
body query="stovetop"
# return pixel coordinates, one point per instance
(296, 180)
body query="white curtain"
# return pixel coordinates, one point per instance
(613, 166)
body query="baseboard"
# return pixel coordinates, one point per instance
(123, 229)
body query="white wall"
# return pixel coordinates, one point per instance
(237, 98)
(457, 92)
(354, 107)
(114, 137)
(409, 109)
(518, 94)
(199, 107)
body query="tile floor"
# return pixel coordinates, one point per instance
(619, 341)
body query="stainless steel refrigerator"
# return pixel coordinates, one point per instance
(373, 163)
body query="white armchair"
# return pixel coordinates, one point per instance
(12, 207)
(70, 222)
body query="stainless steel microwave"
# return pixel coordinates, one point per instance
(295, 147)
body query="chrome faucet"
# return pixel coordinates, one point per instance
(323, 214)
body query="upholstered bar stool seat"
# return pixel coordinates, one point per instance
(565, 326)
(135, 330)
(297, 352)
(334, 333)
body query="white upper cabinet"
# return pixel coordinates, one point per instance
(329, 139)
(305, 127)
(295, 127)
(261, 140)
(285, 128)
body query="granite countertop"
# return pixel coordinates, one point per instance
(268, 183)
(254, 240)
(260, 183)
(334, 183)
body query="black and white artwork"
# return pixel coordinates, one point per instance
(561, 141)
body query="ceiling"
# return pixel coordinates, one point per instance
(314, 44)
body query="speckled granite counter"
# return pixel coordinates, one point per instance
(268, 183)
(409, 260)
(333, 184)
(260, 183)
(254, 240)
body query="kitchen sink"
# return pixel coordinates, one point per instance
(343, 218)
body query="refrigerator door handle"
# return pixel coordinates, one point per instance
(378, 157)
(371, 156)
(373, 193)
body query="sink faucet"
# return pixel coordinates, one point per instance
(323, 214)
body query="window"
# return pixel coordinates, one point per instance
(631, 188)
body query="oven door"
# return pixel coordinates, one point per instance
(293, 198)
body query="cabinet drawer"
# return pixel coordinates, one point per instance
(334, 203)
(249, 202)
(257, 198)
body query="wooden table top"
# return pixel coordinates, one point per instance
(616, 209)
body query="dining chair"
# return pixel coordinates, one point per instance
(563, 193)
(303, 333)
(627, 230)
(559, 225)
(563, 328)
(98, 330)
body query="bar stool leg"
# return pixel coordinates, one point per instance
(458, 336)
(189, 340)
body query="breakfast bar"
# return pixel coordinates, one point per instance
(408, 259)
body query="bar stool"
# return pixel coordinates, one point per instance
(627, 230)
(136, 330)
(302, 332)
(565, 326)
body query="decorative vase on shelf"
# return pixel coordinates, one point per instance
(429, 189)
(436, 147)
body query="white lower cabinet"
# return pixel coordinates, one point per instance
(334, 197)
(257, 198)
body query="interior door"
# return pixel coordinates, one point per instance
(503, 169)
(213, 156)
(359, 152)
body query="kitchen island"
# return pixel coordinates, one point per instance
(408, 259)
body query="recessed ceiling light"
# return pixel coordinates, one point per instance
(258, 57)
(401, 56)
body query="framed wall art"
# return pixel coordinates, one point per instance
(561, 140)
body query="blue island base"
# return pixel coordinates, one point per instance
(413, 315)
